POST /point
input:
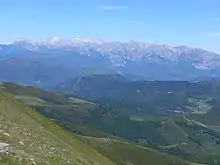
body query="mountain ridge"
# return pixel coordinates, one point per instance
(53, 61)
(131, 50)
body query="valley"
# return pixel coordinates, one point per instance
(104, 122)
(110, 82)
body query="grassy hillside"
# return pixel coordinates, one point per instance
(149, 98)
(177, 135)
(51, 104)
(127, 153)
(192, 136)
(33, 138)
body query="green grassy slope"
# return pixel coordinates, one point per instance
(185, 136)
(177, 135)
(34, 138)
(43, 141)
(127, 153)
(50, 104)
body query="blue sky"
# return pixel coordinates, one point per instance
(176, 22)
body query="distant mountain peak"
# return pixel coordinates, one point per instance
(23, 40)
(110, 45)
(150, 61)
(119, 53)
(55, 41)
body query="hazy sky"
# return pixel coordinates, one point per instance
(190, 22)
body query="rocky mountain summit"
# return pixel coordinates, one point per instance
(52, 61)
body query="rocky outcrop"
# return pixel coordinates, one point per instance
(5, 148)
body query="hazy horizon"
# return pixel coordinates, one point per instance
(193, 23)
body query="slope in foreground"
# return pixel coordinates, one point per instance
(33, 139)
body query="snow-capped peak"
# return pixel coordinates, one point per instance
(85, 40)
(23, 41)
(59, 42)
(120, 52)
(138, 58)
(51, 40)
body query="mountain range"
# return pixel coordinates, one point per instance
(83, 101)
(52, 61)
